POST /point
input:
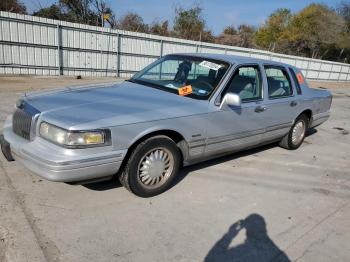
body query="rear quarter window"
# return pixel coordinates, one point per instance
(296, 81)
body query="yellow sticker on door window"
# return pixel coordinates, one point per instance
(185, 90)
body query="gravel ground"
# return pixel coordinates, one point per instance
(265, 204)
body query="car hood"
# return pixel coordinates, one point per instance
(121, 104)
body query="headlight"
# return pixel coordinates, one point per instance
(74, 139)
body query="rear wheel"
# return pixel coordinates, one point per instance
(297, 133)
(151, 167)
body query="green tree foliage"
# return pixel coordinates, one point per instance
(79, 11)
(52, 12)
(317, 31)
(314, 30)
(13, 6)
(132, 22)
(230, 30)
(344, 42)
(243, 36)
(190, 24)
(269, 34)
(158, 28)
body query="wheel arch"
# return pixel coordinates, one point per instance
(178, 139)
(308, 113)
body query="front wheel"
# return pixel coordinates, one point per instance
(151, 167)
(296, 135)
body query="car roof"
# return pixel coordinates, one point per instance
(233, 59)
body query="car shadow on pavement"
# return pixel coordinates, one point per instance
(257, 245)
(216, 161)
(186, 170)
(311, 131)
(114, 182)
(104, 185)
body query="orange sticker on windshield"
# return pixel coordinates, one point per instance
(186, 90)
(300, 78)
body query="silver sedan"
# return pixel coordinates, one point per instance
(180, 110)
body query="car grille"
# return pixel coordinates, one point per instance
(22, 123)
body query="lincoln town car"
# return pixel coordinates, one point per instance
(179, 110)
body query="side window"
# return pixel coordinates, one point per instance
(246, 82)
(279, 84)
(296, 81)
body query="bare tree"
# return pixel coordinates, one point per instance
(14, 6)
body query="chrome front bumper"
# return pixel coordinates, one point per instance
(60, 164)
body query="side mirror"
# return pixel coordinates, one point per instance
(230, 99)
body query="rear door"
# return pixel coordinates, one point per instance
(280, 104)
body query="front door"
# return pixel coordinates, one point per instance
(232, 129)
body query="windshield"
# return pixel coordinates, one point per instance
(194, 77)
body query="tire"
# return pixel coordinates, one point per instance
(6, 149)
(294, 142)
(151, 167)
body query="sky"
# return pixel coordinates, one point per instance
(218, 13)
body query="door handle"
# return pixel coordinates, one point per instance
(260, 109)
(293, 103)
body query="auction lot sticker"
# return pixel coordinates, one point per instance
(210, 65)
(300, 78)
(186, 90)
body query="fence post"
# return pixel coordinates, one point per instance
(161, 48)
(118, 55)
(59, 50)
(160, 56)
(250, 53)
(329, 76)
(101, 52)
(307, 67)
(341, 68)
(319, 71)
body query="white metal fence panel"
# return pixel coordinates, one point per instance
(40, 46)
